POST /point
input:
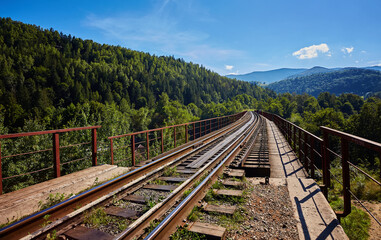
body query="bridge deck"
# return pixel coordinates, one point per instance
(23, 202)
(316, 219)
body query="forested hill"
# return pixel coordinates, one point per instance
(351, 80)
(42, 70)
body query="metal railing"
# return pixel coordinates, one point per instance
(55, 149)
(140, 146)
(308, 147)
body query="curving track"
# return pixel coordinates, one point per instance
(159, 184)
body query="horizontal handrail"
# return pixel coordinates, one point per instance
(303, 142)
(56, 158)
(26, 134)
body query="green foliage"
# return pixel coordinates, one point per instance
(98, 217)
(352, 80)
(48, 70)
(356, 225)
(170, 172)
(52, 200)
(184, 234)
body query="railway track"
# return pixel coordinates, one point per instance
(132, 201)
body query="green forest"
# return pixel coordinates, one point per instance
(49, 80)
(359, 81)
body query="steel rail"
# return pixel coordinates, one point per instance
(169, 224)
(32, 224)
(137, 228)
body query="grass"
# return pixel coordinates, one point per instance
(152, 225)
(195, 214)
(98, 217)
(170, 172)
(158, 182)
(356, 225)
(52, 200)
(184, 234)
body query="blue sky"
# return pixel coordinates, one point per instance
(227, 36)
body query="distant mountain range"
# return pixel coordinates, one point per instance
(360, 81)
(267, 77)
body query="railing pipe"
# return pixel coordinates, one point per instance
(56, 155)
(162, 140)
(346, 177)
(112, 151)
(147, 144)
(133, 149)
(94, 146)
(1, 174)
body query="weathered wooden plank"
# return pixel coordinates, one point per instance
(186, 171)
(83, 233)
(211, 231)
(121, 212)
(135, 199)
(167, 188)
(226, 192)
(172, 179)
(220, 208)
(231, 183)
(236, 173)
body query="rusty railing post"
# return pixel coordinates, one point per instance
(300, 144)
(112, 151)
(186, 133)
(312, 152)
(147, 144)
(218, 123)
(210, 126)
(294, 137)
(1, 174)
(174, 135)
(94, 145)
(346, 176)
(56, 155)
(133, 149)
(326, 175)
(306, 163)
(162, 140)
(194, 131)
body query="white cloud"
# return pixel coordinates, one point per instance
(311, 51)
(229, 67)
(347, 50)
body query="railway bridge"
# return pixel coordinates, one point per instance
(251, 175)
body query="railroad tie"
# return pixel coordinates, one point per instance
(227, 192)
(157, 187)
(235, 173)
(84, 233)
(172, 179)
(136, 199)
(211, 231)
(186, 171)
(121, 212)
(231, 183)
(220, 209)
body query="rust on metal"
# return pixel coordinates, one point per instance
(94, 146)
(56, 155)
